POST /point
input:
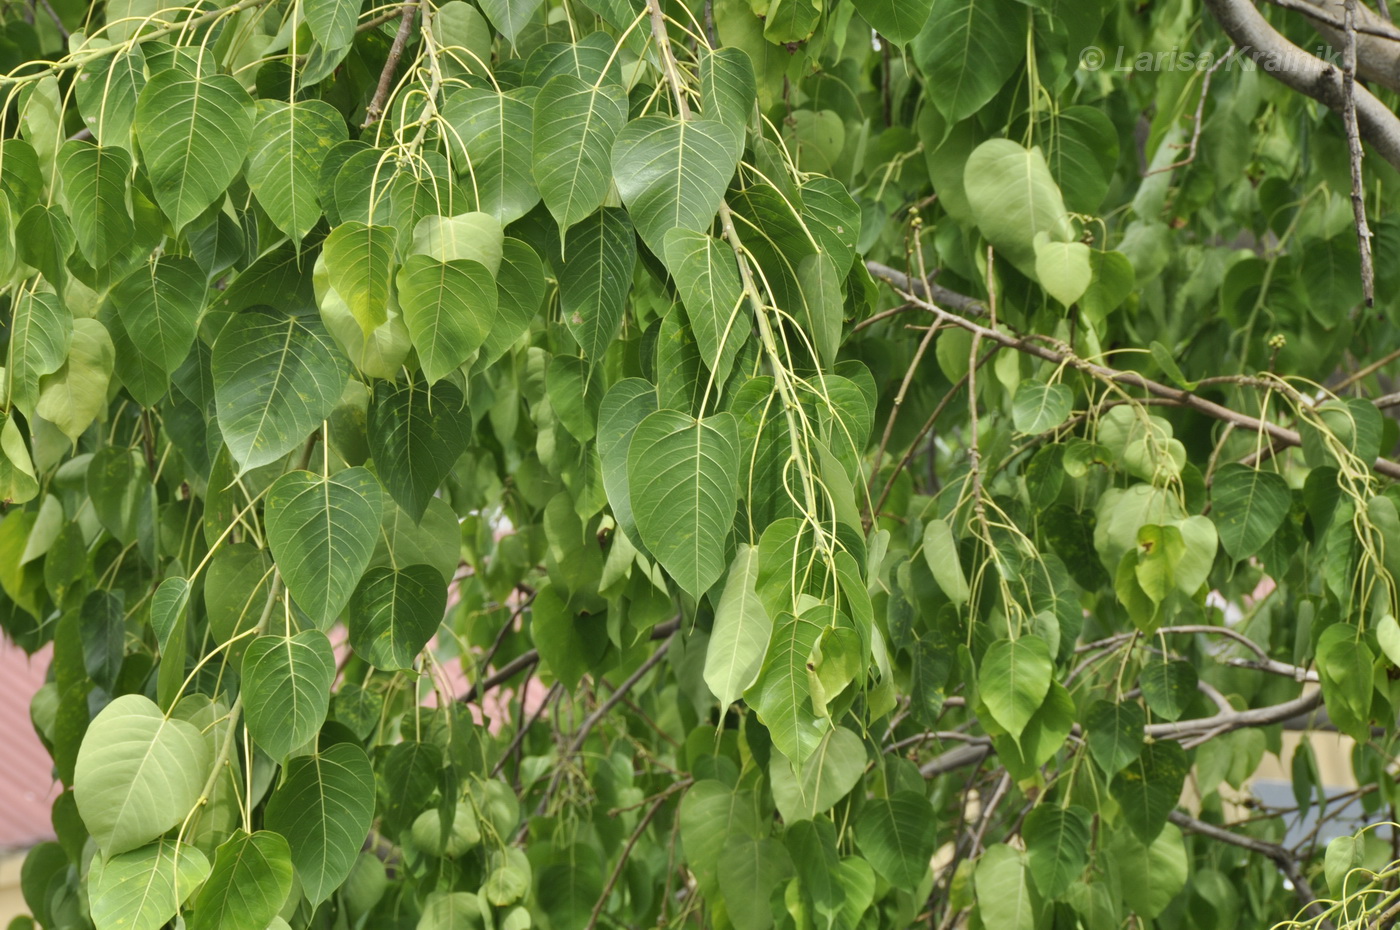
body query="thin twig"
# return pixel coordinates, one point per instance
(391, 65)
(1353, 129)
(1199, 119)
(57, 20)
(525, 726)
(627, 850)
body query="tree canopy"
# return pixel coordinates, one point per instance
(812, 464)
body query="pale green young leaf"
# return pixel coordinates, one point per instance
(1037, 406)
(1005, 898)
(781, 697)
(41, 331)
(144, 888)
(829, 774)
(941, 554)
(741, 631)
(1013, 680)
(360, 262)
(76, 395)
(138, 773)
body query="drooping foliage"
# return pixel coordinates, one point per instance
(803, 464)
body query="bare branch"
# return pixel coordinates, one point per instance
(391, 65)
(1358, 194)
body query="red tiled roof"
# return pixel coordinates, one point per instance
(27, 785)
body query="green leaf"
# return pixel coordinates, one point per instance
(287, 689)
(416, 434)
(45, 239)
(138, 773)
(829, 774)
(520, 290)
(1014, 198)
(1388, 637)
(1151, 875)
(750, 869)
(1169, 687)
(791, 21)
(332, 22)
(324, 807)
(683, 475)
(510, 16)
(575, 125)
(941, 555)
(710, 813)
(1005, 898)
(194, 134)
(708, 281)
(822, 305)
(781, 696)
(570, 643)
(1038, 406)
(898, 835)
(251, 879)
(1248, 506)
(159, 306)
(393, 614)
(1347, 668)
(490, 131)
(475, 236)
(76, 395)
(289, 143)
(728, 90)
(966, 51)
(322, 532)
(897, 21)
(360, 262)
(168, 619)
(18, 483)
(1013, 680)
(741, 631)
(626, 404)
(672, 174)
(1057, 847)
(1149, 787)
(41, 330)
(1115, 734)
(95, 182)
(449, 307)
(1064, 269)
(275, 380)
(144, 888)
(601, 252)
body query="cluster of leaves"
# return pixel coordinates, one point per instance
(469, 475)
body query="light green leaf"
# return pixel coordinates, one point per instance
(741, 631)
(626, 404)
(1347, 668)
(138, 774)
(708, 281)
(142, 889)
(287, 689)
(490, 131)
(601, 251)
(822, 305)
(168, 620)
(672, 173)
(710, 813)
(898, 835)
(289, 143)
(941, 554)
(251, 879)
(781, 696)
(1004, 895)
(510, 16)
(194, 134)
(1065, 269)
(275, 380)
(1014, 198)
(750, 869)
(828, 775)
(41, 330)
(728, 90)
(575, 125)
(75, 395)
(1388, 636)
(683, 475)
(476, 236)
(1151, 875)
(1013, 680)
(360, 263)
(416, 434)
(449, 308)
(393, 614)
(322, 532)
(95, 182)
(18, 483)
(324, 807)
(332, 22)
(1037, 406)
(1248, 506)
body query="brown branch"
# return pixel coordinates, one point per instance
(627, 850)
(1279, 434)
(391, 65)
(1358, 194)
(1280, 857)
(1306, 74)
